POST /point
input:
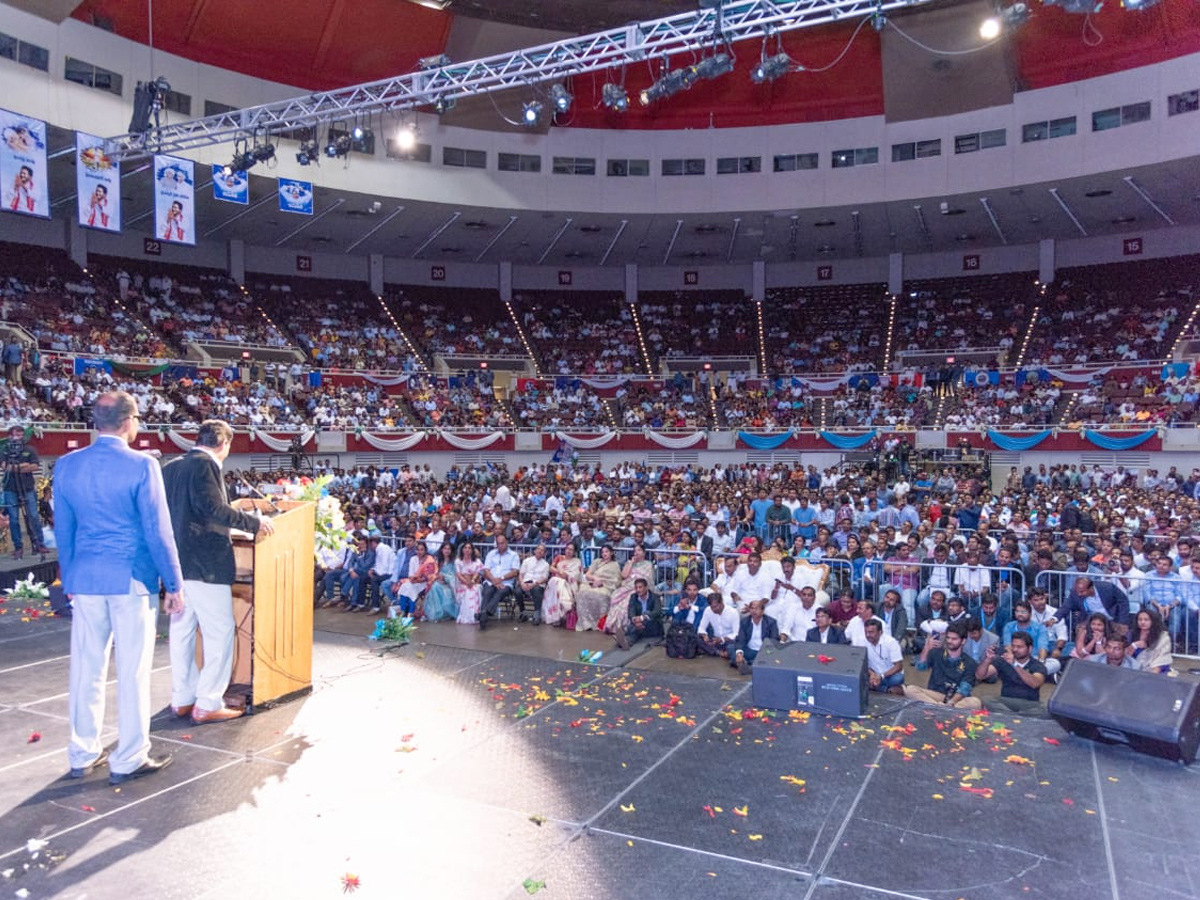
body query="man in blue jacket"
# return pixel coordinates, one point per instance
(115, 544)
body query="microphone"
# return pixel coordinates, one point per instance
(270, 501)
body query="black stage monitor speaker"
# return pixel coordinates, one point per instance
(793, 676)
(1149, 712)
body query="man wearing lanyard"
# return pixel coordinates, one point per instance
(885, 660)
(755, 630)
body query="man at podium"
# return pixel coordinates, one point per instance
(201, 518)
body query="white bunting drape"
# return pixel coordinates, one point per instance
(280, 445)
(180, 441)
(465, 443)
(676, 441)
(393, 445)
(582, 443)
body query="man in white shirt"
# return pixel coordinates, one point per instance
(531, 583)
(718, 627)
(727, 568)
(435, 537)
(385, 565)
(885, 660)
(798, 617)
(500, 568)
(785, 592)
(856, 631)
(750, 583)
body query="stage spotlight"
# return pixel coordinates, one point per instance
(242, 161)
(531, 113)
(406, 138)
(561, 98)
(668, 85)
(443, 105)
(614, 97)
(770, 68)
(338, 144)
(263, 153)
(434, 62)
(308, 152)
(714, 66)
(1008, 19)
(1138, 4)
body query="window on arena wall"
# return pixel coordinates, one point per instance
(25, 53)
(862, 156)
(982, 140)
(80, 72)
(574, 165)
(466, 159)
(1188, 101)
(518, 162)
(176, 102)
(739, 165)
(1107, 119)
(916, 150)
(418, 152)
(629, 168)
(1043, 131)
(682, 167)
(796, 162)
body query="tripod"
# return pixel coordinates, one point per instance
(13, 476)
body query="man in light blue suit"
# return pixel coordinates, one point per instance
(115, 543)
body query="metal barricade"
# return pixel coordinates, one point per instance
(917, 579)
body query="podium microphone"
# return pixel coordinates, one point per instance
(275, 509)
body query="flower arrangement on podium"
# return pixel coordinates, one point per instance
(331, 533)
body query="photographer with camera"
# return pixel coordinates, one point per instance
(21, 463)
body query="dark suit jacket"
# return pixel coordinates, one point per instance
(770, 632)
(201, 518)
(835, 636)
(1116, 604)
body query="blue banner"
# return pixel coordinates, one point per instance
(23, 176)
(847, 441)
(1007, 442)
(82, 365)
(764, 441)
(231, 188)
(295, 196)
(1175, 370)
(180, 371)
(1105, 442)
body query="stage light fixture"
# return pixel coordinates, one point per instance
(406, 138)
(308, 153)
(263, 153)
(714, 66)
(434, 62)
(338, 144)
(1077, 7)
(531, 113)
(443, 105)
(561, 98)
(668, 85)
(613, 96)
(770, 68)
(1008, 19)
(1138, 5)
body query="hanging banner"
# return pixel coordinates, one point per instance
(174, 200)
(295, 196)
(97, 184)
(23, 165)
(231, 188)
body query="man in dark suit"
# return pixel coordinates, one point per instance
(826, 632)
(1088, 596)
(645, 616)
(756, 629)
(201, 516)
(113, 532)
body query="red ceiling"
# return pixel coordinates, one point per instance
(313, 44)
(325, 44)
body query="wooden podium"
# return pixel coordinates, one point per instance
(273, 607)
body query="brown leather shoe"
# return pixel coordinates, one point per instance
(182, 712)
(204, 716)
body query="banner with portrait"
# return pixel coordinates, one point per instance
(97, 183)
(175, 200)
(231, 188)
(23, 187)
(295, 196)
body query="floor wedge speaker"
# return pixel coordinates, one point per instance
(1151, 713)
(823, 678)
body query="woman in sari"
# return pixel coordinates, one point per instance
(439, 599)
(422, 570)
(467, 572)
(600, 580)
(566, 574)
(618, 609)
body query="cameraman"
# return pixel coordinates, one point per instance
(20, 463)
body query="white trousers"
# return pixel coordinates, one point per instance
(97, 623)
(211, 607)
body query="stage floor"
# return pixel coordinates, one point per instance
(456, 768)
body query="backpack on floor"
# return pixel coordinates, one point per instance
(681, 641)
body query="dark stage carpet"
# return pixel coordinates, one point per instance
(443, 771)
